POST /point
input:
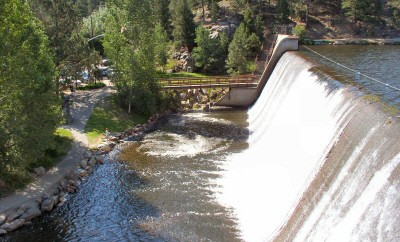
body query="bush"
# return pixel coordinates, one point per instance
(300, 30)
(92, 86)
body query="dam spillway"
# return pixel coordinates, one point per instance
(312, 160)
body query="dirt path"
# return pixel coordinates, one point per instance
(84, 103)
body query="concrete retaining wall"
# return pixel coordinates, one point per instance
(244, 97)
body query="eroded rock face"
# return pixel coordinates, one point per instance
(3, 232)
(13, 225)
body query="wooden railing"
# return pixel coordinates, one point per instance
(209, 82)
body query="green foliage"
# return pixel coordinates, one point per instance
(63, 141)
(108, 114)
(92, 86)
(161, 48)
(29, 110)
(300, 30)
(208, 54)
(283, 11)
(184, 27)
(362, 10)
(239, 51)
(214, 10)
(163, 15)
(129, 42)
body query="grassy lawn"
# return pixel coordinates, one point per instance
(108, 114)
(18, 176)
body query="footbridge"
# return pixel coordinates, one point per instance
(244, 81)
(243, 89)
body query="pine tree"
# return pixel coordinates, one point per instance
(163, 15)
(205, 52)
(283, 11)
(184, 27)
(161, 49)
(239, 51)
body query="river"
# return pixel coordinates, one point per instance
(298, 165)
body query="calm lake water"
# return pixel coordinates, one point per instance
(379, 62)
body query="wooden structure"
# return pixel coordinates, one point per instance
(209, 82)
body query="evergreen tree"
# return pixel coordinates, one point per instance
(283, 11)
(29, 109)
(239, 51)
(214, 10)
(163, 15)
(207, 50)
(161, 49)
(184, 26)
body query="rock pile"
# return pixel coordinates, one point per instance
(57, 196)
(200, 98)
(186, 61)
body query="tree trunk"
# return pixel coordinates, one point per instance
(307, 6)
(129, 101)
(204, 12)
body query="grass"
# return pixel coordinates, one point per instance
(18, 176)
(108, 114)
(92, 86)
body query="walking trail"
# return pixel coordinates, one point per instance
(84, 103)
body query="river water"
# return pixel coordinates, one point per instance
(379, 62)
(231, 175)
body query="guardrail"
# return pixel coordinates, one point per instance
(209, 82)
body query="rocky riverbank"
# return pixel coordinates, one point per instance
(19, 216)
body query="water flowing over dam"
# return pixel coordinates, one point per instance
(313, 159)
(323, 162)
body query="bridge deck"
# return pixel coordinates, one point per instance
(209, 82)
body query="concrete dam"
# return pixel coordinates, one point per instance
(323, 162)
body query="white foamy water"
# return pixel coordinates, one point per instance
(288, 143)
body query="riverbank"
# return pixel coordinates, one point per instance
(352, 41)
(39, 196)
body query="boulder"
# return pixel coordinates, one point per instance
(206, 108)
(92, 161)
(31, 213)
(3, 218)
(73, 175)
(100, 159)
(13, 225)
(48, 204)
(83, 163)
(13, 214)
(39, 171)
(3, 232)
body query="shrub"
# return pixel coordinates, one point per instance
(300, 30)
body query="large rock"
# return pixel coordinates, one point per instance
(3, 218)
(39, 171)
(48, 204)
(31, 213)
(92, 161)
(3, 232)
(83, 163)
(13, 225)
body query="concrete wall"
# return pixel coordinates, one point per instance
(244, 97)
